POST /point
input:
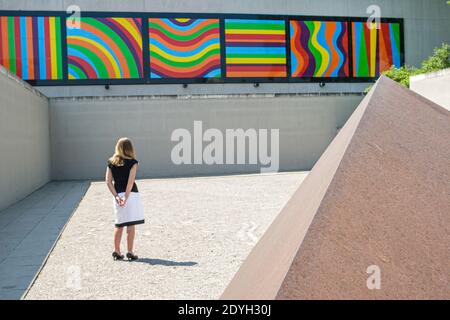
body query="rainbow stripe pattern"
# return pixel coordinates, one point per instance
(184, 48)
(105, 48)
(30, 47)
(364, 50)
(389, 46)
(255, 48)
(319, 49)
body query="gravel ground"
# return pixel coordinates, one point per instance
(197, 233)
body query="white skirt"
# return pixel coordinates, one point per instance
(131, 213)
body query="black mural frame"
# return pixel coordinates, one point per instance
(221, 17)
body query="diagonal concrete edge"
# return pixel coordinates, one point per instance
(382, 230)
(261, 274)
(377, 198)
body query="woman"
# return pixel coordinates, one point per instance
(122, 168)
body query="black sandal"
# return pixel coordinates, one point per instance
(117, 256)
(131, 257)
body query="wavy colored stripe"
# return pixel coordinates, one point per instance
(200, 72)
(310, 63)
(181, 46)
(197, 28)
(208, 45)
(184, 50)
(191, 58)
(332, 33)
(214, 59)
(322, 47)
(184, 64)
(188, 28)
(182, 35)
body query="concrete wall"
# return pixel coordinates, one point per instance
(24, 139)
(433, 86)
(426, 26)
(84, 130)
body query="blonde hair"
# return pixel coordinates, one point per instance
(124, 150)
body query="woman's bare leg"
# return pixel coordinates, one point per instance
(117, 238)
(131, 230)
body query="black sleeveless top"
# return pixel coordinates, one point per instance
(121, 174)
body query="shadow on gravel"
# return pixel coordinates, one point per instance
(167, 263)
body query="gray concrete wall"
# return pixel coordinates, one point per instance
(426, 26)
(433, 86)
(24, 139)
(84, 130)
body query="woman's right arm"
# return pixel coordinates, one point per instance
(109, 183)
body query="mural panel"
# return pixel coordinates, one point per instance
(389, 39)
(184, 48)
(319, 49)
(30, 47)
(105, 48)
(255, 48)
(375, 50)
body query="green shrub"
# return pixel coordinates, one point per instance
(438, 61)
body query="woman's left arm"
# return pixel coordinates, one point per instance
(130, 183)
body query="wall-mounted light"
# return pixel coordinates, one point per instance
(256, 85)
(185, 85)
(107, 86)
(322, 84)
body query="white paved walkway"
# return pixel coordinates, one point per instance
(198, 231)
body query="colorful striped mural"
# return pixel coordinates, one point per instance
(105, 48)
(389, 46)
(30, 47)
(255, 48)
(375, 50)
(319, 49)
(184, 48)
(364, 50)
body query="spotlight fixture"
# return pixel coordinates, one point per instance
(256, 84)
(322, 84)
(185, 85)
(107, 86)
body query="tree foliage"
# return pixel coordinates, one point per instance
(438, 61)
